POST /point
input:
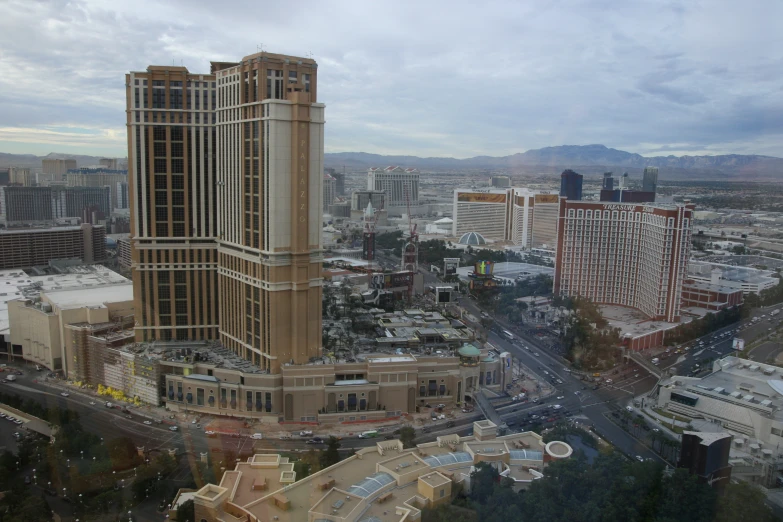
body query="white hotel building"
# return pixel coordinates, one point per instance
(400, 185)
(504, 215)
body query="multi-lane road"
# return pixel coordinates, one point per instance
(718, 344)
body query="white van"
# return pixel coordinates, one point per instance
(508, 335)
(655, 360)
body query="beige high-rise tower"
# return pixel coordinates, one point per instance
(252, 165)
(171, 184)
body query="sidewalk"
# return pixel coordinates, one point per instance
(145, 411)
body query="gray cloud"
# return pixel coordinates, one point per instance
(448, 78)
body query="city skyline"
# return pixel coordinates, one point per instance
(397, 81)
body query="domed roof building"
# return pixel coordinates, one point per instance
(472, 239)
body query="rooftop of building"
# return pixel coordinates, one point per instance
(708, 438)
(207, 352)
(734, 386)
(737, 274)
(44, 228)
(633, 323)
(510, 270)
(87, 281)
(378, 483)
(708, 287)
(89, 295)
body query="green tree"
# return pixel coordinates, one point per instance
(482, 482)
(407, 437)
(331, 455)
(186, 512)
(743, 501)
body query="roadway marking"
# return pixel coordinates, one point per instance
(32, 390)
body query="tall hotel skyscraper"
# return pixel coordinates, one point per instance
(226, 185)
(632, 255)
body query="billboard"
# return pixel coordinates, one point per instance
(450, 265)
(480, 197)
(738, 344)
(547, 198)
(484, 268)
(401, 279)
(395, 280)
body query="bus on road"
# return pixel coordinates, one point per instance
(508, 335)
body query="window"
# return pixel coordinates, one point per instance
(274, 84)
(291, 76)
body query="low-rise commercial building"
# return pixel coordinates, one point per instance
(42, 325)
(709, 296)
(373, 386)
(380, 483)
(744, 278)
(742, 396)
(19, 287)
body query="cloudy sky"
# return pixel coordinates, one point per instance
(431, 78)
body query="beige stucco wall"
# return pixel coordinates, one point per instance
(37, 332)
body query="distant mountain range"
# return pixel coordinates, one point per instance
(593, 159)
(730, 165)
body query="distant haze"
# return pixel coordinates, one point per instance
(594, 159)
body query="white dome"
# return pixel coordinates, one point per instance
(473, 239)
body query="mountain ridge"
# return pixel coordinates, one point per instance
(592, 158)
(573, 156)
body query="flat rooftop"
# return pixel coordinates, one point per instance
(79, 282)
(386, 476)
(633, 323)
(91, 296)
(737, 274)
(736, 384)
(211, 352)
(511, 270)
